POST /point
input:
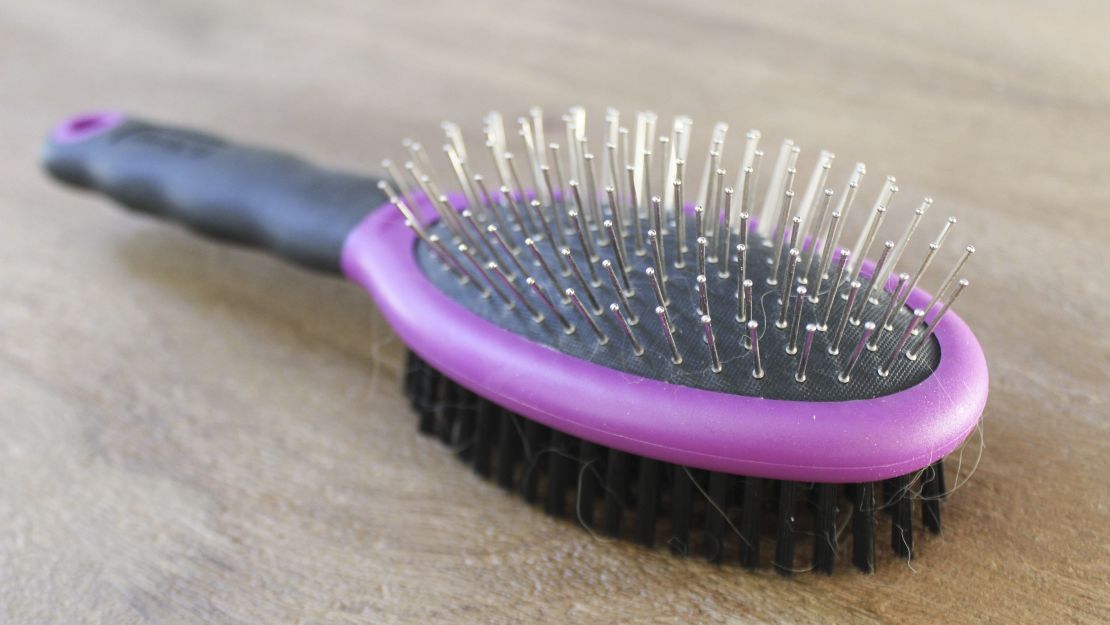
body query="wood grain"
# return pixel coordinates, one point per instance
(193, 433)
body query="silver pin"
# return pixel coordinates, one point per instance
(714, 225)
(846, 376)
(614, 239)
(465, 251)
(703, 295)
(636, 347)
(925, 262)
(876, 271)
(741, 270)
(859, 251)
(657, 252)
(496, 234)
(745, 304)
(664, 321)
(915, 351)
(659, 296)
(556, 163)
(948, 280)
(601, 338)
(715, 358)
(826, 256)
(945, 231)
(746, 192)
(864, 246)
(888, 312)
(410, 221)
(404, 191)
(583, 240)
(820, 217)
(656, 214)
(538, 214)
(556, 214)
(591, 190)
(744, 227)
(792, 346)
(399, 202)
(853, 292)
(485, 247)
(903, 241)
(615, 183)
(514, 209)
(632, 319)
(680, 225)
(753, 338)
(807, 346)
(724, 236)
(634, 204)
(699, 222)
(492, 207)
(543, 265)
(518, 194)
(569, 257)
(918, 316)
(702, 242)
(578, 220)
(780, 238)
(792, 259)
(537, 316)
(618, 240)
(795, 229)
(816, 183)
(842, 263)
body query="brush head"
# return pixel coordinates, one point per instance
(712, 357)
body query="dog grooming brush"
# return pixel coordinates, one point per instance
(705, 361)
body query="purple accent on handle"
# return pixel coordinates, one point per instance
(852, 441)
(85, 125)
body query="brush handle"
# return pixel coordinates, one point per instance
(246, 194)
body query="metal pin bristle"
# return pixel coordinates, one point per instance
(637, 349)
(631, 202)
(601, 338)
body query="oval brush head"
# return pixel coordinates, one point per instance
(620, 334)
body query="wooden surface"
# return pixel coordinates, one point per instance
(192, 433)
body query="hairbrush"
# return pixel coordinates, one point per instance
(697, 361)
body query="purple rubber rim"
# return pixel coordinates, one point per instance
(836, 442)
(85, 125)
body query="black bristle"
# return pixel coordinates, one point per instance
(863, 528)
(682, 505)
(901, 528)
(485, 432)
(495, 442)
(616, 490)
(784, 531)
(558, 472)
(462, 436)
(824, 540)
(414, 367)
(508, 448)
(534, 435)
(447, 409)
(750, 516)
(588, 481)
(428, 399)
(931, 493)
(647, 498)
(713, 542)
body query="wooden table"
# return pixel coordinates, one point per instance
(194, 433)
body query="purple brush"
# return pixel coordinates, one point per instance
(693, 371)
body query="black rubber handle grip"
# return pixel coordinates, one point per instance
(246, 194)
